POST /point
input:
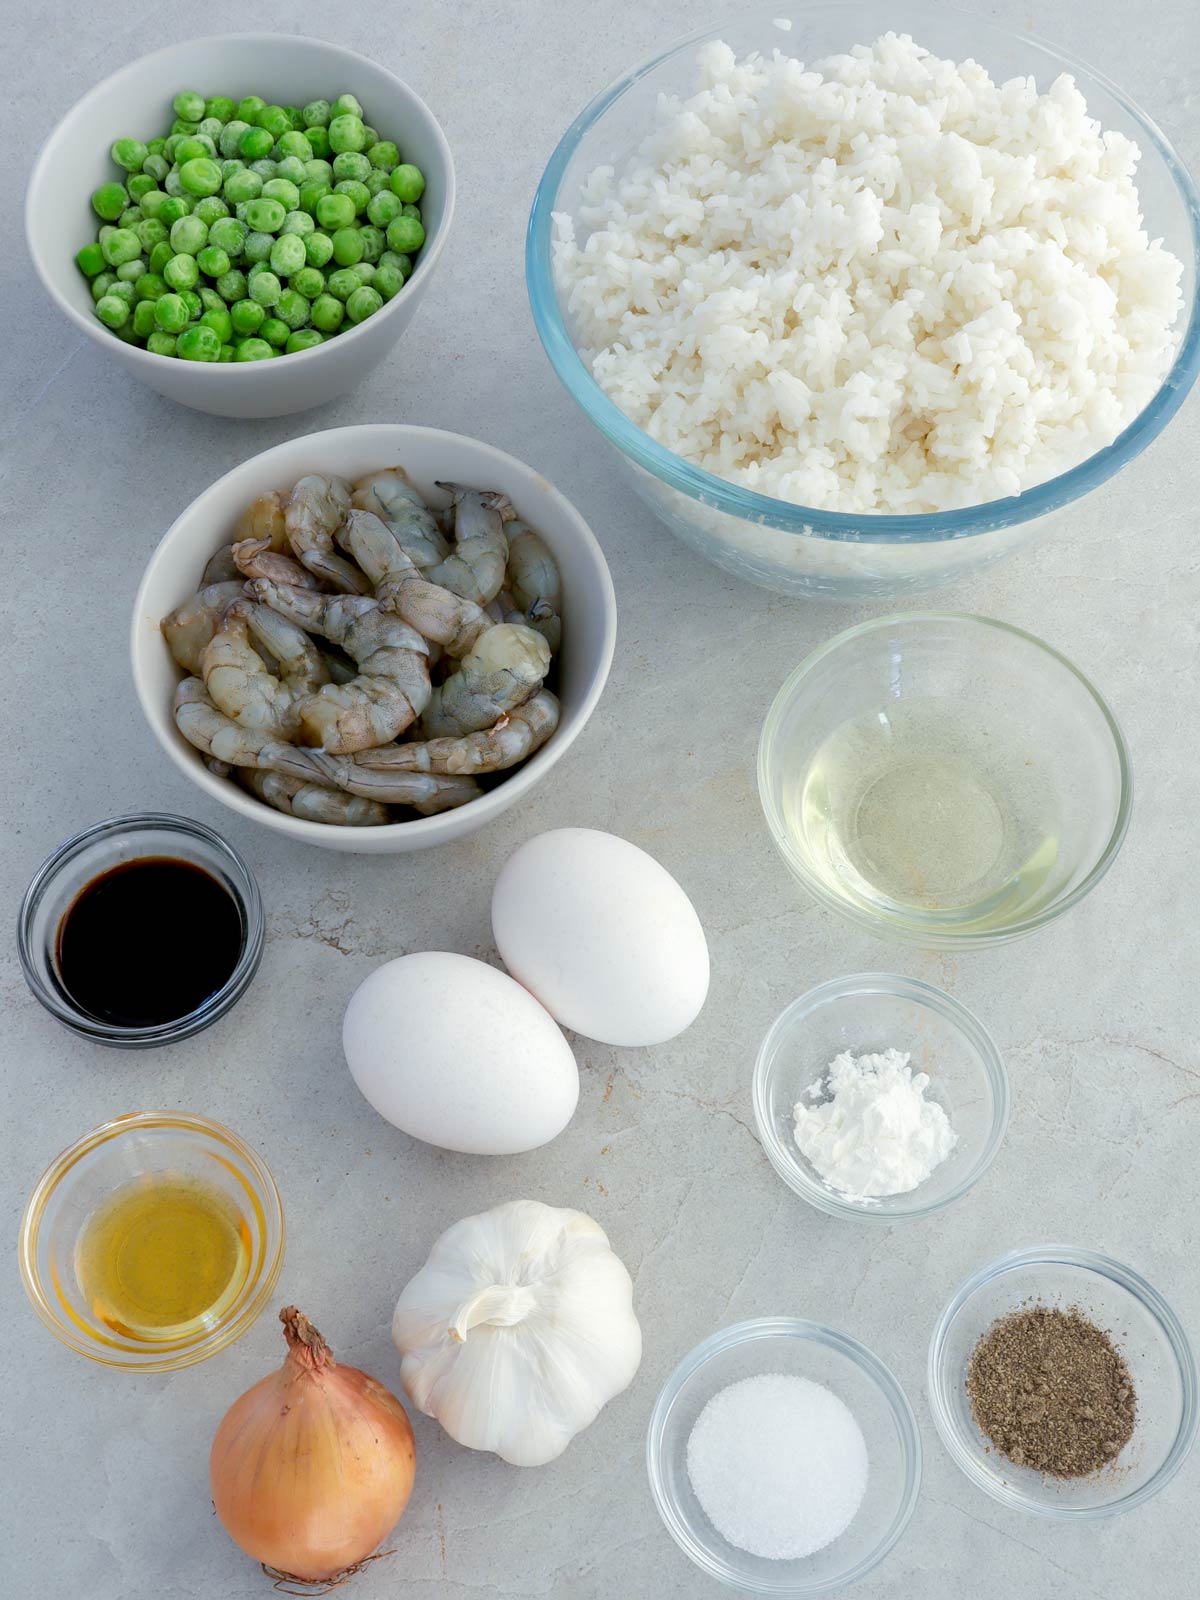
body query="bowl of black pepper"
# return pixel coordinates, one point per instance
(1062, 1383)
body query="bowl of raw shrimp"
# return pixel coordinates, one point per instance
(375, 639)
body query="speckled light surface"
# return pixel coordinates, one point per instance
(106, 1483)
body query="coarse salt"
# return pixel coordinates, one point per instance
(779, 1465)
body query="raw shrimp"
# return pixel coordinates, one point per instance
(190, 626)
(426, 792)
(238, 680)
(499, 672)
(392, 686)
(446, 619)
(517, 735)
(220, 567)
(265, 518)
(216, 735)
(391, 497)
(475, 567)
(311, 801)
(314, 513)
(254, 558)
(534, 582)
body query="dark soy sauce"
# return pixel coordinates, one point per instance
(148, 942)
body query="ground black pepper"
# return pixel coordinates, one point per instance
(1052, 1392)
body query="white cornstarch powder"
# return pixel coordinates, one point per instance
(877, 283)
(779, 1465)
(874, 1133)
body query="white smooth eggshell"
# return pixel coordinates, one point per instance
(602, 934)
(457, 1054)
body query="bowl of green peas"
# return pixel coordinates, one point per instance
(246, 223)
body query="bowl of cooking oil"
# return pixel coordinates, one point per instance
(944, 780)
(152, 1242)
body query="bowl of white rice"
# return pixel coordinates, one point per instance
(864, 296)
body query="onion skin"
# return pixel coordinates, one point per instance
(313, 1466)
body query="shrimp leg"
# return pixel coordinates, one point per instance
(475, 567)
(504, 668)
(515, 737)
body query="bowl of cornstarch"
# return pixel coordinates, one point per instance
(878, 1096)
(784, 1457)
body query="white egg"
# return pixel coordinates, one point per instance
(456, 1053)
(602, 935)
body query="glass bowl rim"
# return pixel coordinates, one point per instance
(249, 899)
(1125, 1277)
(806, 521)
(243, 1316)
(934, 937)
(900, 987)
(799, 1328)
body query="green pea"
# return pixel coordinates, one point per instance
(131, 271)
(213, 261)
(274, 331)
(161, 344)
(170, 143)
(144, 322)
(387, 282)
(232, 286)
(284, 192)
(293, 144)
(255, 144)
(193, 303)
(153, 201)
(309, 282)
(347, 106)
(258, 246)
(140, 185)
(200, 176)
(220, 322)
(241, 187)
(193, 148)
(122, 244)
(405, 235)
(355, 191)
(317, 113)
(293, 169)
(160, 255)
(311, 193)
(408, 182)
(210, 209)
(90, 260)
(351, 164)
(150, 286)
(172, 209)
(249, 108)
(402, 264)
(221, 107)
(189, 105)
(246, 316)
(130, 217)
(210, 300)
(155, 146)
(121, 291)
(101, 284)
(342, 283)
(152, 232)
(287, 255)
(185, 127)
(230, 141)
(200, 343)
(364, 271)
(210, 128)
(373, 242)
(303, 339)
(319, 169)
(265, 216)
(318, 247)
(293, 309)
(347, 247)
(327, 313)
(252, 350)
(171, 313)
(109, 200)
(346, 133)
(363, 303)
(335, 210)
(298, 222)
(383, 207)
(188, 236)
(265, 288)
(319, 139)
(156, 167)
(370, 136)
(275, 120)
(384, 154)
(181, 272)
(377, 182)
(228, 234)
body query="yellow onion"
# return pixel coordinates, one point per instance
(313, 1466)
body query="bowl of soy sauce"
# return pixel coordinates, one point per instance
(141, 930)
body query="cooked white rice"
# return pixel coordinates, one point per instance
(883, 283)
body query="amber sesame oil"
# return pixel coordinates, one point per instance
(929, 813)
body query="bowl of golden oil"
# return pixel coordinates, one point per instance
(152, 1242)
(944, 780)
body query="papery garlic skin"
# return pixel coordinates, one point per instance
(518, 1329)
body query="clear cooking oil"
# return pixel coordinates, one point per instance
(931, 812)
(162, 1256)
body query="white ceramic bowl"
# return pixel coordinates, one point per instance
(136, 102)
(589, 607)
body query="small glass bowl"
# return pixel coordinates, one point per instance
(63, 876)
(802, 1349)
(1149, 1336)
(872, 1012)
(1040, 722)
(116, 1153)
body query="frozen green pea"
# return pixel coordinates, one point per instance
(319, 169)
(191, 149)
(241, 187)
(213, 260)
(246, 316)
(144, 322)
(210, 209)
(309, 282)
(249, 107)
(364, 271)
(172, 208)
(293, 169)
(155, 146)
(210, 128)
(181, 272)
(264, 215)
(346, 106)
(373, 242)
(351, 164)
(170, 145)
(303, 339)
(200, 176)
(90, 260)
(252, 350)
(130, 217)
(319, 139)
(219, 320)
(287, 255)
(265, 288)
(231, 165)
(292, 308)
(200, 343)
(377, 182)
(188, 236)
(327, 313)
(160, 343)
(122, 244)
(335, 211)
(318, 248)
(275, 120)
(345, 133)
(172, 185)
(156, 167)
(188, 105)
(405, 235)
(311, 193)
(121, 291)
(182, 128)
(193, 303)
(109, 200)
(232, 285)
(101, 284)
(383, 207)
(255, 144)
(298, 222)
(347, 247)
(342, 283)
(363, 303)
(160, 255)
(402, 264)
(171, 313)
(317, 113)
(150, 286)
(387, 282)
(258, 246)
(408, 183)
(210, 300)
(131, 271)
(274, 331)
(140, 184)
(370, 136)
(354, 191)
(265, 168)
(230, 141)
(220, 107)
(384, 154)
(228, 353)
(286, 194)
(153, 201)
(295, 144)
(151, 232)
(228, 234)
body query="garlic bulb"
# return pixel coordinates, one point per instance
(517, 1330)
